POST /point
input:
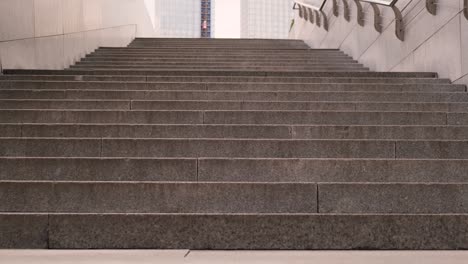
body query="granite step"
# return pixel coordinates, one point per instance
(223, 170)
(234, 131)
(116, 79)
(91, 104)
(218, 60)
(226, 144)
(217, 63)
(227, 73)
(233, 117)
(221, 67)
(259, 198)
(161, 197)
(233, 148)
(223, 95)
(234, 231)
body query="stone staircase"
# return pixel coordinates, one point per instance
(231, 144)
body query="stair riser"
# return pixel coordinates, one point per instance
(111, 87)
(234, 170)
(240, 105)
(228, 131)
(215, 60)
(158, 197)
(233, 117)
(225, 73)
(266, 96)
(232, 198)
(217, 64)
(243, 80)
(74, 169)
(26, 147)
(218, 57)
(311, 68)
(218, 50)
(11, 147)
(234, 231)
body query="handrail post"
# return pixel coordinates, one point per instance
(311, 15)
(431, 7)
(346, 14)
(335, 8)
(399, 30)
(360, 13)
(377, 18)
(465, 9)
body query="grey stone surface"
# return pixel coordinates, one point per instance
(259, 231)
(224, 73)
(245, 95)
(393, 198)
(380, 132)
(29, 231)
(47, 147)
(247, 148)
(147, 197)
(224, 117)
(432, 149)
(235, 131)
(325, 118)
(150, 131)
(65, 104)
(332, 170)
(7, 130)
(239, 105)
(112, 87)
(97, 116)
(97, 169)
(324, 80)
(231, 144)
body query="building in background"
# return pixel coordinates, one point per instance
(184, 18)
(206, 16)
(270, 19)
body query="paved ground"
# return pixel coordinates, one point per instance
(227, 257)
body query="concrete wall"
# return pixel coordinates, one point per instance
(52, 34)
(433, 43)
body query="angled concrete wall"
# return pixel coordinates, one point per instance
(52, 34)
(432, 43)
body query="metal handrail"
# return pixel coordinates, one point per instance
(312, 13)
(306, 7)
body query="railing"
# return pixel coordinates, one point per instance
(312, 11)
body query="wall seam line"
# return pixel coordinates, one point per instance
(425, 40)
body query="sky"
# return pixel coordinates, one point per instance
(227, 19)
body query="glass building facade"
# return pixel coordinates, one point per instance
(184, 18)
(269, 19)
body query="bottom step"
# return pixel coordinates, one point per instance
(233, 231)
